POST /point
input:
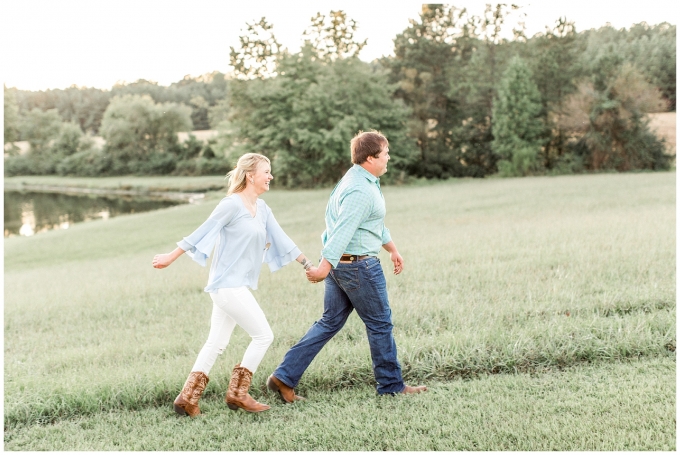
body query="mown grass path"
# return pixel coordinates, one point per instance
(539, 311)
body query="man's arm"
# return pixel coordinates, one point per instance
(395, 257)
(316, 274)
(354, 209)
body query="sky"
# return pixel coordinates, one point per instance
(97, 43)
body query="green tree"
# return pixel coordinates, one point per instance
(490, 56)
(256, 58)
(651, 49)
(141, 87)
(71, 151)
(473, 84)
(332, 36)
(346, 97)
(199, 93)
(191, 148)
(81, 105)
(305, 117)
(69, 140)
(607, 117)
(553, 58)
(219, 112)
(446, 65)
(425, 56)
(11, 118)
(139, 133)
(52, 141)
(517, 123)
(39, 128)
(659, 55)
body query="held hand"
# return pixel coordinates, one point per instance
(314, 275)
(398, 262)
(161, 261)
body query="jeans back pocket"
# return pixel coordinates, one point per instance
(347, 278)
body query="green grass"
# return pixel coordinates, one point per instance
(540, 312)
(189, 184)
(586, 407)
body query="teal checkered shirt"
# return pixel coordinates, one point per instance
(355, 217)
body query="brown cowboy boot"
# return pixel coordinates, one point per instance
(238, 396)
(286, 393)
(186, 402)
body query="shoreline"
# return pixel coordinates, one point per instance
(171, 195)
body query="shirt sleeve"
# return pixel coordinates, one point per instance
(282, 250)
(386, 237)
(355, 207)
(200, 243)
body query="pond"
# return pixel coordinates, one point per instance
(30, 213)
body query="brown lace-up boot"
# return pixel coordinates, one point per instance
(186, 402)
(238, 396)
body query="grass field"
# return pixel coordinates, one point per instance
(540, 312)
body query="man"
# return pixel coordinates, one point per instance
(355, 232)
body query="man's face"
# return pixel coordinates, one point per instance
(379, 163)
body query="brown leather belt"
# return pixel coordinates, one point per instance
(352, 257)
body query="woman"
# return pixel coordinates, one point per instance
(244, 233)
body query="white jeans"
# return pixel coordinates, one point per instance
(233, 306)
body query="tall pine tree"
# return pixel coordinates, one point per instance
(516, 124)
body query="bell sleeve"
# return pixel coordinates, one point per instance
(282, 249)
(200, 243)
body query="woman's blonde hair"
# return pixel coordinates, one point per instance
(237, 176)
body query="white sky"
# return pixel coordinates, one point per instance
(96, 43)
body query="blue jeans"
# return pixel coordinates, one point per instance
(357, 286)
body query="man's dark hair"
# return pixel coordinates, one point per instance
(367, 144)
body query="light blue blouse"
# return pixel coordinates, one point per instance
(240, 241)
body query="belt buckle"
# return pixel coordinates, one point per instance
(346, 258)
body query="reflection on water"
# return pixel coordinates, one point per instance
(28, 213)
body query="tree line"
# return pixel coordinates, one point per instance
(456, 99)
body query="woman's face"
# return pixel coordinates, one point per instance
(262, 177)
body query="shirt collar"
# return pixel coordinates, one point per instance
(370, 177)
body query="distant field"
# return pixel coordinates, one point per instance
(540, 312)
(664, 124)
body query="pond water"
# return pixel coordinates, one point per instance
(30, 213)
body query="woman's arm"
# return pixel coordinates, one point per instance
(200, 243)
(306, 263)
(161, 261)
(281, 249)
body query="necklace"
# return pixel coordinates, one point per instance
(252, 207)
